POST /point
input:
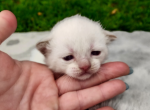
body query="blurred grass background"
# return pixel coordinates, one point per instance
(41, 15)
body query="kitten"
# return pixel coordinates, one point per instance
(76, 46)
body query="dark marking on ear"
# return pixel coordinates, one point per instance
(110, 36)
(42, 47)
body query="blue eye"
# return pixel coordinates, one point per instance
(95, 53)
(69, 57)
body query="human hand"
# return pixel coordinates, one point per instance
(31, 86)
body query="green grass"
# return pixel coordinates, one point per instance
(41, 15)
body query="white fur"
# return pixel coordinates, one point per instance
(77, 36)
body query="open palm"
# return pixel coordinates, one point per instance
(31, 86)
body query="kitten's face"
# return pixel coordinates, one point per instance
(76, 47)
(78, 58)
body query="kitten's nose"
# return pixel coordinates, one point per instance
(85, 67)
(84, 64)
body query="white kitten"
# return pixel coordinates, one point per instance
(76, 46)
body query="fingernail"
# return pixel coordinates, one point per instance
(127, 86)
(131, 70)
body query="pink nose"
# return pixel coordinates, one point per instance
(85, 67)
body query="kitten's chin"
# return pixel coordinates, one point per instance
(83, 77)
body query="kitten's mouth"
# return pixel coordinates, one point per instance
(83, 73)
(84, 76)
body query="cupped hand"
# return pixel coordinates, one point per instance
(26, 85)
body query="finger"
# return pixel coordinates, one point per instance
(105, 108)
(83, 99)
(108, 71)
(8, 24)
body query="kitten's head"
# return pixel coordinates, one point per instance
(76, 46)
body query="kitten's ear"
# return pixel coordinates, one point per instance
(42, 47)
(110, 36)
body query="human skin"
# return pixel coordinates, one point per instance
(26, 85)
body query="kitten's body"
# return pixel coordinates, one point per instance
(76, 46)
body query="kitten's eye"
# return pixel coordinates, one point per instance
(95, 52)
(67, 58)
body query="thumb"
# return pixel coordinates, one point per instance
(8, 24)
